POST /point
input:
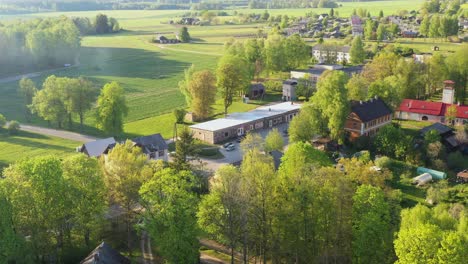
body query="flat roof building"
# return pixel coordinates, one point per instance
(238, 124)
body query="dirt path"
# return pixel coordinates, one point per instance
(188, 51)
(57, 133)
(207, 259)
(33, 74)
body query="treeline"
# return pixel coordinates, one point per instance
(38, 43)
(273, 4)
(101, 24)
(447, 7)
(62, 99)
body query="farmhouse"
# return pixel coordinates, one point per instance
(238, 124)
(97, 148)
(366, 118)
(329, 53)
(154, 146)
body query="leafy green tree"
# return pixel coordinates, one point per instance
(184, 84)
(301, 127)
(357, 87)
(457, 64)
(297, 52)
(170, 215)
(387, 90)
(48, 103)
(452, 249)
(27, 90)
(381, 32)
(232, 78)
(369, 29)
(451, 114)
(331, 99)
(424, 27)
(274, 141)
(101, 24)
(434, 27)
(371, 226)
(221, 212)
(392, 142)
(202, 88)
(275, 56)
(81, 95)
(179, 115)
(12, 245)
(111, 108)
(436, 73)
(417, 245)
(85, 178)
(184, 35)
(357, 52)
(13, 127)
(444, 27)
(185, 150)
(125, 169)
(431, 137)
(381, 14)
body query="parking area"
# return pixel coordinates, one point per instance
(235, 156)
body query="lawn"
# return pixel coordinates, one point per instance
(27, 145)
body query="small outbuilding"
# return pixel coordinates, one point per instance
(422, 179)
(105, 254)
(256, 90)
(289, 90)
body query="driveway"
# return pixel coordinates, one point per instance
(235, 156)
(58, 133)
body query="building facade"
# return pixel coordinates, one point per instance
(289, 90)
(331, 54)
(238, 124)
(366, 118)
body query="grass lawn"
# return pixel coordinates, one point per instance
(27, 145)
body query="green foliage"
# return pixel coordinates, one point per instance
(111, 109)
(357, 52)
(179, 115)
(184, 84)
(184, 35)
(13, 127)
(431, 137)
(392, 141)
(331, 99)
(170, 215)
(27, 90)
(274, 141)
(3, 121)
(202, 88)
(185, 150)
(357, 87)
(308, 123)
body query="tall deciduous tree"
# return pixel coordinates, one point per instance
(232, 78)
(184, 84)
(202, 88)
(81, 95)
(101, 24)
(27, 90)
(357, 52)
(274, 141)
(424, 27)
(111, 108)
(457, 64)
(184, 35)
(331, 99)
(357, 87)
(297, 52)
(170, 215)
(48, 103)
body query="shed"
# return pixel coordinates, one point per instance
(437, 175)
(422, 179)
(105, 254)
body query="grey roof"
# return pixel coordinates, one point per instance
(440, 128)
(236, 119)
(370, 110)
(105, 254)
(98, 147)
(256, 86)
(151, 143)
(290, 82)
(344, 49)
(317, 71)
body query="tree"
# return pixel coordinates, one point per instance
(297, 52)
(85, 178)
(179, 115)
(392, 142)
(220, 212)
(369, 29)
(3, 121)
(416, 245)
(436, 73)
(12, 244)
(81, 95)
(453, 249)
(170, 215)
(125, 169)
(202, 88)
(185, 148)
(381, 32)
(431, 137)
(27, 90)
(308, 123)
(184, 84)
(372, 234)
(381, 14)
(357, 87)
(331, 99)
(387, 90)
(232, 78)
(457, 64)
(434, 27)
(275, 56)
(451, 114)
(111, 108)
(274, 141)
(424, 28)
(101, 24)
(13, 127)
(48, 103)
(184, 35)
(357, 52)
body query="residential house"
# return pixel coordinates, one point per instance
(105, 254)
(315, 72)
(366, 118)
(97, 148)
(331, 54)
(409, 34)
(154, 146)
(238, 124)
(289, 90)
(256, 90)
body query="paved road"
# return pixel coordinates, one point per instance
(57, 133)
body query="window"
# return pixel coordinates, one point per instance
(226, 134)
(161, 153)
(354, 125)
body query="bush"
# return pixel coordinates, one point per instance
(273, 86)
(13, 127)
(456, 161)
(179, 115)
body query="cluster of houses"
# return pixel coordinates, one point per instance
(322, 26)
(153, 146)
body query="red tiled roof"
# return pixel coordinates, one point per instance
(431, 108)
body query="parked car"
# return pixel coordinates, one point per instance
(231, 147)
(228, 144)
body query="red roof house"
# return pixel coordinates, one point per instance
(429, 111)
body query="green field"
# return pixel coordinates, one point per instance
(27, 145)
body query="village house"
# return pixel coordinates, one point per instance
(238, 124)
(357, 28)
(97, 148)
(315, 72)
(153, 146)
(366, 118)
(326, 54)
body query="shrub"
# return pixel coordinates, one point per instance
(2, 121)
(273, 86)
(179, 115)
(13, 127)
(456, 160)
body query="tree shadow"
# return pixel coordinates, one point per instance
(37, 145)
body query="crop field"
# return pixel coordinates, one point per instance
(27, 145)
